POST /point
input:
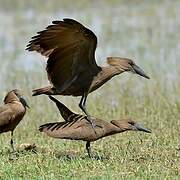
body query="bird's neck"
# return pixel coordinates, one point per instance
(104, 75)
(111, 71)
(112, 129)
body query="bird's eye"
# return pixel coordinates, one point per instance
(16, 93)
(131, 122)
(131, 63)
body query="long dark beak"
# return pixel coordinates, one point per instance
(139, 71)
(23, 101)
(139, 127)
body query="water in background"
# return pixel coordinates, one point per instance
(145, 31)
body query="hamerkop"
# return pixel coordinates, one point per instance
(71, 65)
(12, 112)
(76, 127)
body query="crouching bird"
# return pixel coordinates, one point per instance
(12, 112)
(76, 127)
(71, 65)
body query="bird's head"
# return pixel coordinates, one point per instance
(129, 125)
(15, 95)
(125, 64)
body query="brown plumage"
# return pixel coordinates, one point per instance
(76, 127)
(12, 112)
(71, 66)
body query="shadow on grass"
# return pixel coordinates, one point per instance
(31, 149)
(19, 152)
(70, 156)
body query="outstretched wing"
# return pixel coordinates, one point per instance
(70, 48)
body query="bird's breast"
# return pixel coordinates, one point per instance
(81, 85)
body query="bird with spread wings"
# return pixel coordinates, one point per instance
(71, 65)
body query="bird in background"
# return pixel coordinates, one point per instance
(71, 65)
(12, 112)
(76, 127)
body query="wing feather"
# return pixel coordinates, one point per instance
(70, 48)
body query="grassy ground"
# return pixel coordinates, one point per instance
(148, 32)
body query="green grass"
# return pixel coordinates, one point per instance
(148, 32)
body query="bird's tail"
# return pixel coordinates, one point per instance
(45, 90)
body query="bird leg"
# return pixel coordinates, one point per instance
(11, 142)
(88, 148)
(82, 105)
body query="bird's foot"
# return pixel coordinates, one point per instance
(14, 155)
(91, 121)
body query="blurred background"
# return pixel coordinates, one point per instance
(146, 31)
